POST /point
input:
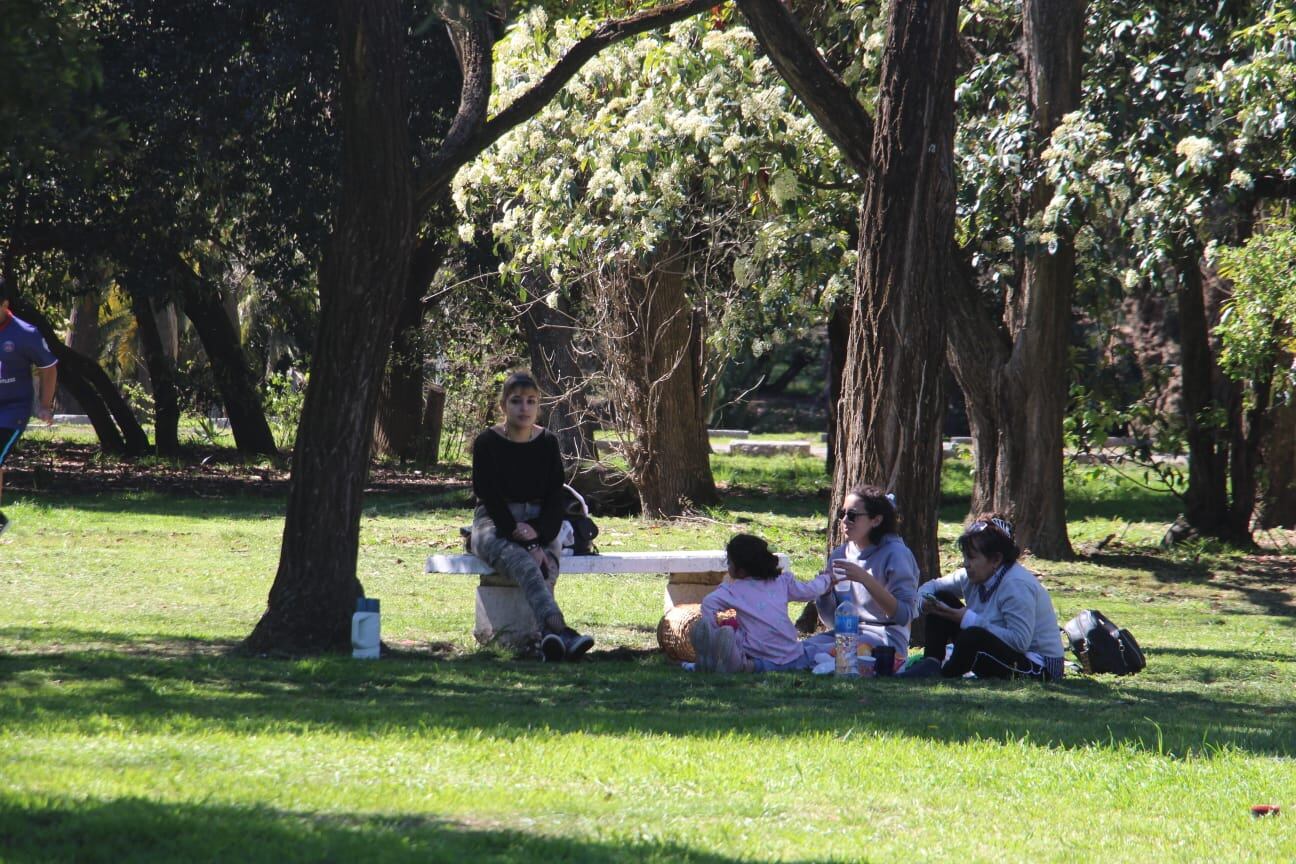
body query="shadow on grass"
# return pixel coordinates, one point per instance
(201, 505)
(641, 695)
(133, 829)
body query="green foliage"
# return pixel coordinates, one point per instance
(283, 394)
(1258, 323)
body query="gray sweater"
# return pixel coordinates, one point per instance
(891, 563)
(1019, 610)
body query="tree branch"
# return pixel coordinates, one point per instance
(827, 98)
(476, 136)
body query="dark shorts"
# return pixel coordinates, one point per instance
(8, 438)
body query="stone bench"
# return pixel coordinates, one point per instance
(502, 613)
(770, 448)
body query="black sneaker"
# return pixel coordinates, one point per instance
(4, 523)
(576, 643)
(553, 648)
(927, 667)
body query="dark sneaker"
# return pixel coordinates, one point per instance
(553, 648)
(4, 523)
(576, 643)
(927, 667)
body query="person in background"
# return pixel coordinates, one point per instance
(22, 351)
(517, 476)
(1007, 629)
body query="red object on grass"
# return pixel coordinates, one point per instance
(1258, 810)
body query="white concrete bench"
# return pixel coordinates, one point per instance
(770, 448)
(502, 613)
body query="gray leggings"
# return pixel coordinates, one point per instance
(511, 560)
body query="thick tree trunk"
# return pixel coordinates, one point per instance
(429, 440)
(109, 413)
(83, 338)
(398, 426)
(362, 284)
(204, 306)
(549, 335)
(161, 370)
(654, 341)
(892, 389)
(838, 338)
(1278, 497)
(1206, 497)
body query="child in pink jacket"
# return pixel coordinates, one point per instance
(764, 638)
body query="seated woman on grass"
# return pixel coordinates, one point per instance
(879, 574)
(517, 476)
(1008, 628)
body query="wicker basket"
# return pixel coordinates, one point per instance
(673, 632)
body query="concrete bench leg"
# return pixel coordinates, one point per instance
(683, 588)
(503, 615)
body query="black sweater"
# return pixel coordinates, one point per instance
(506, 472)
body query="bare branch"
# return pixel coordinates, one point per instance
(476, 136)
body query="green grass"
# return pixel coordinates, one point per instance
(131, 733)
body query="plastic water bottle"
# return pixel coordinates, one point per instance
(365, 629)
(846, 628)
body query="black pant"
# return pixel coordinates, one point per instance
(976, 649)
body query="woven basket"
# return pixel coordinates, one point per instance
(673, 632)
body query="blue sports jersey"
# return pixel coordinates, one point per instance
(21, 348)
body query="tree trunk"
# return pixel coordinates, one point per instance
(83, 337)
(398, 426)
(111, 416)
(161, 370)
(549, 335)
(205, 308)
(838, 338)
(1206, 497)
(1278, 498)
(429, 441)
(362, 283)
(892, 399)
(654, 350)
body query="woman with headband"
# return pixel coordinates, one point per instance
(1007, 629)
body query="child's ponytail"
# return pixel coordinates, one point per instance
(752, 555)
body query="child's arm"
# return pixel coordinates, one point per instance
(810, 588)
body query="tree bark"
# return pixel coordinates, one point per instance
(398, 427)
(161, 370)
(838, 338)
(654, 353)
(1278, 497)
(549, 335)
(892, 390)
(429, 442)
(362, 284)
(205, 308)
(83, 337)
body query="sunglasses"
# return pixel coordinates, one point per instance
(851, 515)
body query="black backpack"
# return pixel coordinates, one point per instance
(1101, 646)
(576, 512)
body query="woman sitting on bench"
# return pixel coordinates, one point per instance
(518, 480)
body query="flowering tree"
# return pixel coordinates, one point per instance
(677, 190)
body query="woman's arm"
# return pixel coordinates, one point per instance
(550, 519)
(485, 481)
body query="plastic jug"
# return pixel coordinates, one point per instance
(366, 629)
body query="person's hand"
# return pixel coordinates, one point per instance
(847, 571)
(932, 606)
(524, 533)
(45, 414)
(538, 553)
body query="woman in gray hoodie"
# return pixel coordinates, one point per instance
(880, 573)
(1008, 628)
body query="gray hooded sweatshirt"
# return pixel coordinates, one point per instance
(891, 563)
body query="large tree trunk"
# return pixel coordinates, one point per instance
(1278, 497)
(549, 335)
(204, 306)
(892, 389)
(362, 283)
(653, 342)
(109, 413)
(161, 370)
(838, 338)
(1205, 399)
(83, 338)
(399, 424)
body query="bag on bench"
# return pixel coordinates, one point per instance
(583, 529)
(1101, 646)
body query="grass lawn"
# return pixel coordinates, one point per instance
(132, 733)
